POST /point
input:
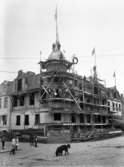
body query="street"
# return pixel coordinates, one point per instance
(108, 152)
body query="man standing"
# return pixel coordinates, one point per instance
(3, 139)
(13, 145)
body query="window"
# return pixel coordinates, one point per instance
(18, 120)
(103, 101)
(81, 118)
(119, 107)
(81, 104)
(96, 101)
(113, 106)
(108, 106)
(37, 119)
(0, 102)
(32, 99)
(5, 102)
(21, 100)
(19, 86)
(95, 118)
(104, 119)
(15, 99)
(76, 83)
(108, 93)
(115, 95)
(99, 119)
(88, 118)
(4, 118)
(73, 117)
(80, 86)
(26, 119)
(95, 90)
(57, 116)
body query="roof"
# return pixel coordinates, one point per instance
(57, 55)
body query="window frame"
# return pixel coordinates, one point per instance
(18, 123)
(5, 102)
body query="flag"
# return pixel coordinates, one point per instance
(63, 51)
(56, 14)
(40, 52)
(93, 51)
(114, 74)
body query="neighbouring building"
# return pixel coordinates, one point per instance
(25, 95)
(114, 102)
(122, 98)
(5, 106)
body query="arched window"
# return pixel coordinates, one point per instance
(113, 106)
(119, 107)
(5, 102)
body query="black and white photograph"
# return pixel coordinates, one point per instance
(62, 83)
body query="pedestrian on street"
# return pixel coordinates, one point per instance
(13, 145)
(17, 142)
(3, 139)
(35, 140)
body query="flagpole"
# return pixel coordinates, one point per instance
(40, 80)
(114, 75)
(115, 80)
(94, 53)
(40, 61)
(56, 24)
(95, 56)
(91, 71)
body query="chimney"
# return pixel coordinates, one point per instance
(20, 73)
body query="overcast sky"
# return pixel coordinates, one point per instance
(28, 26)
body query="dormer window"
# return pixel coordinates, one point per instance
(108, 93)
(115, 95)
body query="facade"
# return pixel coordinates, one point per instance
(114, 102)
(57, 99)
(5, 106)
(122, 99)
(25, 92)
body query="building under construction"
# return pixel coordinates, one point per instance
(59, 101)
(73, 102)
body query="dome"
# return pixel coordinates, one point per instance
(56, 55)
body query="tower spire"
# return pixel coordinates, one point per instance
(57, 36)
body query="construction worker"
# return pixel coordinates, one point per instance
(3, 139)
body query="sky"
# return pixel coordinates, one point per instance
(28, 27)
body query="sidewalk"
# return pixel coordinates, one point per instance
(102, 153)
(7, 148)
(4, 151)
